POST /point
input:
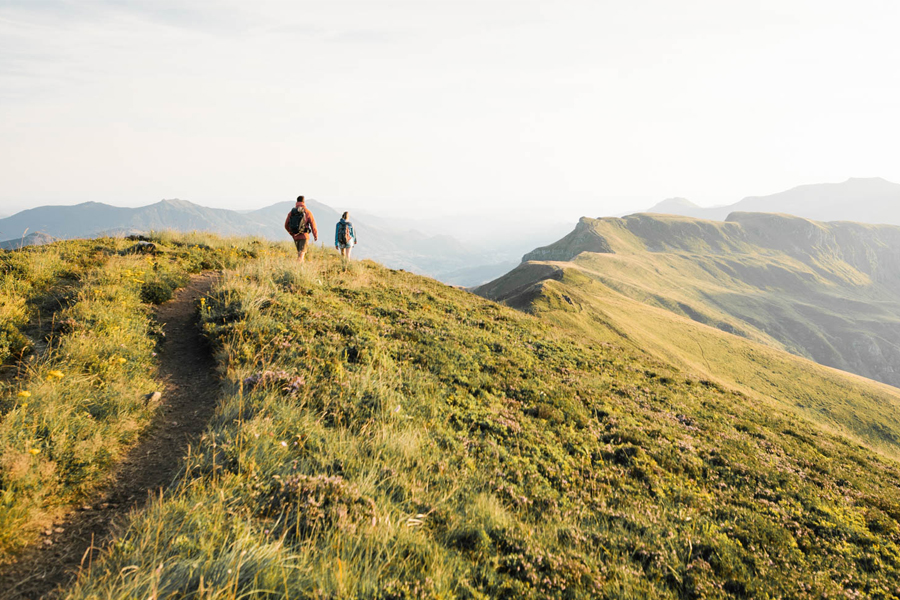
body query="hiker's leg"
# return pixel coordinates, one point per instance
(301, 249)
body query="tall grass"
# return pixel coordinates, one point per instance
(28, 280)
(73, 409)
(384, 436)
(77, 405)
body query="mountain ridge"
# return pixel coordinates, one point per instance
(827, 292)
(858, 199)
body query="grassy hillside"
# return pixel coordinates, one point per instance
(381, 435)
(77, 341)
(827, 292)
(864, 410)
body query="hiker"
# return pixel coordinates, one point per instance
(344, 236)
(300, 223)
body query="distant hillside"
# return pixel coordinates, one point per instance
(681, 206)
(32, 239)
(865, 200)
(440, 255)
(91, 219)
(828, 292)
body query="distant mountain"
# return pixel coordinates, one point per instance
(32, 239)
(872, 200)
(406, 247)
(865, 200)
(92, 219)
(680, 206)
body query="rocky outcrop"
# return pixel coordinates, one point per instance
(585, 238)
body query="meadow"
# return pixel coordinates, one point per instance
(78, 351)
(381, 435)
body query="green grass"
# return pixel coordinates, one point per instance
(712, 303)
(866, 411)
(384, 436)
(34, 282)
(71, 409)
(827, 292)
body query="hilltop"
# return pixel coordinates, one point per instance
(421, 247)
(381, 435)
(31, 239)
(866, 200)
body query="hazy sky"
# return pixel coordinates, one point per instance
(574, 107)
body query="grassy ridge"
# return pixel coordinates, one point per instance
(864, 410)
(73, 408)
(385, 436)
(825, 291)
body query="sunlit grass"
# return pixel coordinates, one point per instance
(77, 403)
(384, 436)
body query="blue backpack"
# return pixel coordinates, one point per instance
(344, 234)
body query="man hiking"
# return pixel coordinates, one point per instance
(300, 223)
(344, 236)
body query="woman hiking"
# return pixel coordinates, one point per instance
(344, 236)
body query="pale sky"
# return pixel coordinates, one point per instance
(431, 106)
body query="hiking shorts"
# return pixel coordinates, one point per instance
(301, 245)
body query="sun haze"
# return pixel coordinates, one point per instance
(574, 107)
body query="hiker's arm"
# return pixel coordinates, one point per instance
(337, 234)
(312, 226)
(287, 223)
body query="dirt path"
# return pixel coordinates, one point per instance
(187, 404)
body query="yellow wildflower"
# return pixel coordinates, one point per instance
(55, 373)
(24, 394)
(34, 451)
(122, 361)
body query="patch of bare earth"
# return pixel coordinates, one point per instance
(188, 401)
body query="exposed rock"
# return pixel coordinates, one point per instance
(141, 247)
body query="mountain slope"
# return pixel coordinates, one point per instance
(727, 299)
(385, 436)
(31, 239)
(866, 200)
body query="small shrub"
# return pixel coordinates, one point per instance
(12, 342)
(304, 504)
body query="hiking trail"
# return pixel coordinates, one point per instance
(188, 401)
